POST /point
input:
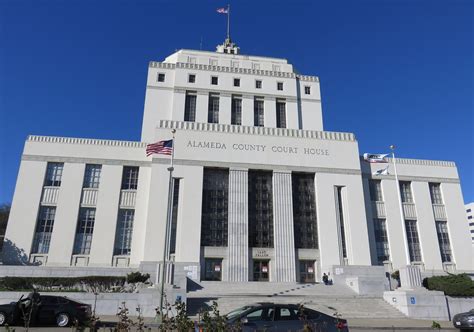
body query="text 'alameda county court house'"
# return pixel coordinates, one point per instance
(260, 191)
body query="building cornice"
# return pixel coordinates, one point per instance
(85, 141)
(411, 178)
(261, 131)
(81, 160)
(248, 71)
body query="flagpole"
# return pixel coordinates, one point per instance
(228, 22)
(400, 205)
(169, 213)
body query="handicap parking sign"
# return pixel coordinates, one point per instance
(412, 300)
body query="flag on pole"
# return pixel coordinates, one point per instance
(383, 171)
(161, 147)
(375, 158)
(222, 10)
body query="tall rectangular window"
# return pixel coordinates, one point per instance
(130, 177)
(190, 107)
(280, 113)
(375, 187)
(124, 231)
(435, 192)
(258, 112)
(44, 229)
(304, 211)
(213, 110)
(161, 77)
(92, 176)
(236, 112)
(174, 219)
(260, 209)
(443, 240)
(413, 240)
(307, 90)
(54, 173)
(340, 219)
(215, 195)
(381, 241)
(405, 192)
(84, 231)
(258, 84)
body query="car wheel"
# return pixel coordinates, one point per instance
(62, 319)
(3, 318)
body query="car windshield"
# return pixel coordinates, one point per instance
(237, 312)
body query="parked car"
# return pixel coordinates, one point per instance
(464, 321)
(273, 317)
(45, 310)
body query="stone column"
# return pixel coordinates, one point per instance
(285, 270)
(238, 247)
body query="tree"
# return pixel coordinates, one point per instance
(4, 213)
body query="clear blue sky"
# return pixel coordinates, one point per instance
(392, 71)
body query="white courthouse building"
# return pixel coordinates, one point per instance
(261, 191)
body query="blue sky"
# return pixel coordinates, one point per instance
(392, 71)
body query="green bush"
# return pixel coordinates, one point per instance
(88, 283)
(451, 285)
(134, 277)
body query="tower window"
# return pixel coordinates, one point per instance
(258, 84)
(258, 117)
(190, 106)
(307, 90)
(214, 80)
(161, 77)
(280, 86)
(192, 78)
(236, 81)
(280, 113)
(213, 109)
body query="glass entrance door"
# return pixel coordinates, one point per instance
(213, 269)
(307, 271)
(261, 270)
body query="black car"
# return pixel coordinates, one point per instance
(464, 321)
(45, 310)
(271, 317)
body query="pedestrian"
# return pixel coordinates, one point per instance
(325, 278)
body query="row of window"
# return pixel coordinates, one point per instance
(84, 231)
(236, 110)
(92, 176)
(233, 63)
(375, 188)
(236, 82)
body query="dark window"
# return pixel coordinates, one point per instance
(413, 240)
(214, 80)
(161, 77)
(236, 81)
(443, 240)
(44, 229)
(287, 314)
(280, 114)
(307, 90)
(340, 218)
(405, 192)
(84, 231)
(190, 107)
(258, 112)
(192, 78)
(214, 207)
(260, 209)
(435, 193)
(213, 269)
(381, 241)
(375, 187)
(213, 110)
(280, 86)
(130, 177)
(469, 217)
(174, 219)
(304, 211)
(468, 210)
(123, 235)
(236, 112)
(258, 84)
(92, 176)
(54, 173)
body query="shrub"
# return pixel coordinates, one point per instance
(135, 277)
(451, 285)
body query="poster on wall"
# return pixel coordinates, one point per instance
(264, 269)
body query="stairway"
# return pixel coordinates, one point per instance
(327, 299)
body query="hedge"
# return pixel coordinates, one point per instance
(87, 284)
(451, 285)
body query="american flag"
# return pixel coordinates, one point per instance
(161, 147)
(222, 11)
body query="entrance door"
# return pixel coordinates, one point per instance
(213, 269)
(307, 271)
(261, 270)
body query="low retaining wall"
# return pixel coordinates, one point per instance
(56, 271)
(457, 305)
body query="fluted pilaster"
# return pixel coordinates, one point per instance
(238, 270)
(285, 270)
